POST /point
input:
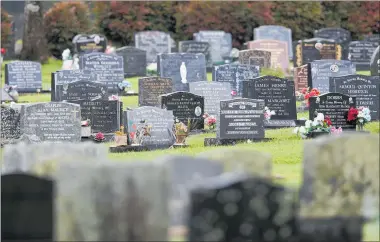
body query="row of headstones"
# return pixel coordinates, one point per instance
(73, 193)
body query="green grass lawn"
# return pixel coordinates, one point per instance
(286, 149)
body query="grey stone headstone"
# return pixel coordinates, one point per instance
(112, 201)
(259, 58)
(154, 43)
(182, 68)
(320, 71)
(84, 44)
(81, 90)
(360, 53)
(337, 179)
(375, 62)
(150, 88)
(162, 122)
(4, 96)
(372, 37)
(366, 89)
(26, 75)
(10, 125)
(52, 121)
(220, 42)
(213, 93)
(197, 47)
(275, 32)
(108, 68)
(134, 61)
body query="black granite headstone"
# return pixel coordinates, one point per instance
(182, 68)
(186, 107)
(26, 75)
(154, 43)
(81, 90)
(150, 88)
(375, 62)
(366, 89)
(335, 105)
(84, 44)
(341, 36)
(10, 124)
(134, 61)
(197, 47)
(360, 53)
(27, 208)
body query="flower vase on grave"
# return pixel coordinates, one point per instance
(143, 131)
(181, 132)
(120, 137)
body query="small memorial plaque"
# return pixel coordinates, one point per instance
(26, 75)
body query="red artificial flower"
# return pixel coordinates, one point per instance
(132, 135)
(352, 114)
(2, 51)
(304, 90)
(99, 136)
(328, 121)
(233, 93)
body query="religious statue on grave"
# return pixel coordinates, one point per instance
(183, 72)
(67, 60)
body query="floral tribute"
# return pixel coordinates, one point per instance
(306, 93)
(268, 113)
(99, 137)
(359, 116)
(86, 123)
(113, 98)
(210, 121)
(181, 132)
(320, 124)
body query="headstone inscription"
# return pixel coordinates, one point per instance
(309, 50)
(109, 69)
(162, 121)
(33, 196)
(10, 124)
(278, 95)
(335, 105)
(26, 75)
(182, 68)
(366, 89)
(104, 115)
(360, 53)
(134, 61)
(375, 62)
(241, 119)
(150, 88)
(341, 36)
(300, 77)
(235, 75)
(51, 121)
(84, 44)
(278, 49)
(213, 93)
(220, 42)
(259, 58)
(186, 107)
(372, 38)
(197, 47)
(275, 32)
(320, 71)
(66, 76)
(84, 90)
(242, 208)
(154, 43)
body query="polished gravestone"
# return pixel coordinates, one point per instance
(341, 36)
(300, 78)
(375, 62)
(275, 32)
(259, 58)
(220, 43)
(360, 53)
(84, 43)
(81, 90)
(154, 43)
(197, 47)
(150, 88)
(26, 75)
(134, 61)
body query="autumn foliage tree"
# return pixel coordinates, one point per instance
(369, 22)
(6, 29)
(62, 22)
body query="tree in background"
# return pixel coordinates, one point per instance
(62, 22)
(6, 29)
(366, 19)
(34, 46)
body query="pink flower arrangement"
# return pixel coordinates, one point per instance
(336, 131)
(99, 136)
(114, 98)
(233, 93)
(210, 121)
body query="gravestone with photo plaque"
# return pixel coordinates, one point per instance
(51, 121)
(134, 61)
(220, 43)
(84, 44)
(259, 58)
(150, 88)
(197, 47)
(81, 90)
(320, 71)
(10, 125)
(26, 75)
(375, 62)
(366, 89)
(275, 32)
(360, 53)
(154, 43)
(341, 36)
(182, 68)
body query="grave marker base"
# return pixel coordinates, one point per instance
(277, 124)
(225, 142)
(176, 146)
(127, 148)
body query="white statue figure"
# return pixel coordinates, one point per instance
(183, 72)
(75, 65)
(67, 60)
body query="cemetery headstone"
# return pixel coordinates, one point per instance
(26, 75)
(275, 32)
(220, 42)
(104, 115)
(366, 89)
(27, 208)
(162, 121)
(241, 119)
(154, 43)
(10, 125)
(375, 62)
(320, 71)
(182, 68)
(372, 38)
(197, 47)
(278, 95)
(185, 106)
(51, 121)
(309, 50)
(335, 105)
(360, 53)
(66, 76)
(150, 88)
(134, 61)
(213, 93)
(341, 36)
(235, 74)
(84, 44)
(278, 49)
(109, 69)
(259, 58)
(84, 90)
(300, 77)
